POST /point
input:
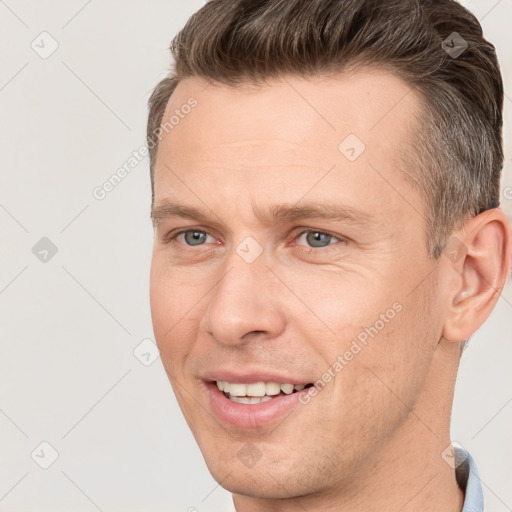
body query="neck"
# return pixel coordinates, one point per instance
(407, 473)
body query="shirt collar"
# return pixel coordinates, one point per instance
(469, 481)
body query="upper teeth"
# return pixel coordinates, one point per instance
(257, 388)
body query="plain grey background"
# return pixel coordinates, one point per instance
(79, 370)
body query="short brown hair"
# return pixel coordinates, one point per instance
(456, 156)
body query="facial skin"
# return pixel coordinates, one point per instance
(372, 438)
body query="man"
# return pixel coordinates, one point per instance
(327, 235)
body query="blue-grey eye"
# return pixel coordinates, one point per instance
(194, 237)
(317, 238)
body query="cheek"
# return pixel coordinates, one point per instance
(347, 306)
(377, 384)
(397, 353)
(383, 340)
(172, 311)
(175, 329)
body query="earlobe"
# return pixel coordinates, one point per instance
(481, 273)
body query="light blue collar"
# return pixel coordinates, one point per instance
(469, 481)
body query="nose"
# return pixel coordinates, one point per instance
(245, 304)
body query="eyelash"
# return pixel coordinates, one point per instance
(308, 249)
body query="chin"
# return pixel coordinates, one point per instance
(263, 487)
(264, 481)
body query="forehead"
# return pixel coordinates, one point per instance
(286, 134)
(367, 102)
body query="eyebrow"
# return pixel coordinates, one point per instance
(166, 209)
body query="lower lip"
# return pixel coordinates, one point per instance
(250, 416)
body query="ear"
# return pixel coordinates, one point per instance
(480, 257)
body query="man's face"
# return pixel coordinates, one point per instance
(248, 297)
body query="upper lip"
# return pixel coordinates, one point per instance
(251, 376)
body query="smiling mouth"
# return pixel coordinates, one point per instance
(257, 392)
